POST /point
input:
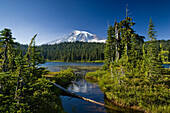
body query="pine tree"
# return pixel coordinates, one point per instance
(117, 45)
(36, 58)
(7, 42)
(21, 72)
(28, 54)
(154, 62)
(110, 47)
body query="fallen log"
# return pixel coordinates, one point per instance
(80, 97)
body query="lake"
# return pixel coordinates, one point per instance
(81, 87)
(166, 65)
(84, 88)
(57, 66)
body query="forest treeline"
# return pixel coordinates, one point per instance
(72, 51)
(84, 51)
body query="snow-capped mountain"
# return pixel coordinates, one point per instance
(77, 35)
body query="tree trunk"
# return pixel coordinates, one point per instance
(29, 66)
(4, 67)
(111, 70)
(117, 39)
(80, 97)
(19, 85)
(126, 50)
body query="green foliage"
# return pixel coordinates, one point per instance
(8, 53)
(110, 46)
(95, 75)
(165, 46)
(153, 57)
(72, 51)
(42, 98)
(138, 76)
(22, 87)
(64, 77)
(151, 31)
(81, 51)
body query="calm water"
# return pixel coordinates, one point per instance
(86, 89)
(57, 66)
(166, 65)
(81, 87)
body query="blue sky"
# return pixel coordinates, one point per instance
(53, 19)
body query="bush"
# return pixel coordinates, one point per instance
(64, 77)
(95, 75)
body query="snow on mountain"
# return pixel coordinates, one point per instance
(77, 35)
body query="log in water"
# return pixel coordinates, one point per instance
(71, 94)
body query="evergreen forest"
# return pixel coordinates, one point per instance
(133, 75)
(84, 51)
(23, 86)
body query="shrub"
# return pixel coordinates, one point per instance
(95, 75)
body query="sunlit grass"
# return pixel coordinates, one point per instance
(134, 92)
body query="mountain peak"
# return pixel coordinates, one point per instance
(84, 32)
(78, 35)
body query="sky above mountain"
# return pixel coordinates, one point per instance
(53, 19)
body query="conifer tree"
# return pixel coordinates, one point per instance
(21, 72)
(109, 46)
(117, 41)
(28, 54)
(7, 42)
(36, 59)
(153, 51)
(126, 33)
(110, 49)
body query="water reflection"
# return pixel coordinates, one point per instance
(85, 89)
(82, 86)
(57, 66)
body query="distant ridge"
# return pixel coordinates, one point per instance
(76, 35)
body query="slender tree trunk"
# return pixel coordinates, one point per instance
(111, 60)
(0, 88)
(111, 70)
(117, 43)
(122, 71)
(4, 67)
(117, 39)
(29, 67)
(19, 85)
(126, 50)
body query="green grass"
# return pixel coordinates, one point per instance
(136, 92)
(95, 75)
(166, 62)
(64, 77)
(97, 61)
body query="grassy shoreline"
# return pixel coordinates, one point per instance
(96, 61)
(166, 62)
(129, 99)
(123, 105)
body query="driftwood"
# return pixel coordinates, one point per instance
(80, 97)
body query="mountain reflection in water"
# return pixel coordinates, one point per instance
(84, 89)
(82, 86)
